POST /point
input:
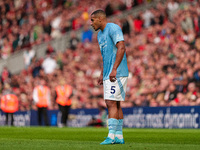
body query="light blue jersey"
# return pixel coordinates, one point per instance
(108, 39)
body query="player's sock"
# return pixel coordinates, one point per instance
(119, 133)
(112, 125)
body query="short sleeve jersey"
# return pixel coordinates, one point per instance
(107, 39)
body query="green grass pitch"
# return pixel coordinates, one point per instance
(53, 138)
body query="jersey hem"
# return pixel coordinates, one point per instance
(117, 77)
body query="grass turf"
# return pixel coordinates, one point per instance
(52, 138)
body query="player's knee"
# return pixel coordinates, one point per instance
(111, 104)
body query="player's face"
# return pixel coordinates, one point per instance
(95, 22)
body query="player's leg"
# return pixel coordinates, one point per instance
(122, 82)
(119, 134)
(112, 121)
(114, 92)
(112, 117)
(112, 109)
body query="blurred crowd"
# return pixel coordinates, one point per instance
(163, 53)
(24, 23)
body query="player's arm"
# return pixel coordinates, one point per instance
(119, 56)
(100, 80)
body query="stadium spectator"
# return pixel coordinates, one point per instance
(125, 26)
(41, 97)
(9, 104)
(6, 49)
(36, 68)
(64, 93)
(49, 64)
(147, 17)
(109, 9)
(171, 93)
(86, 34)
(137, 24)
(191, 94)
(190, 75)
(5, 75)
(47, 27)
(28, 55)
(73, 41)
(50, 50)
(172, 8)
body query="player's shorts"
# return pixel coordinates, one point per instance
(115, 90)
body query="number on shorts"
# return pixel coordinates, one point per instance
(112, 90)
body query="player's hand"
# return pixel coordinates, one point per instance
(113, 75)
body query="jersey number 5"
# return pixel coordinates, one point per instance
(112, 90)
